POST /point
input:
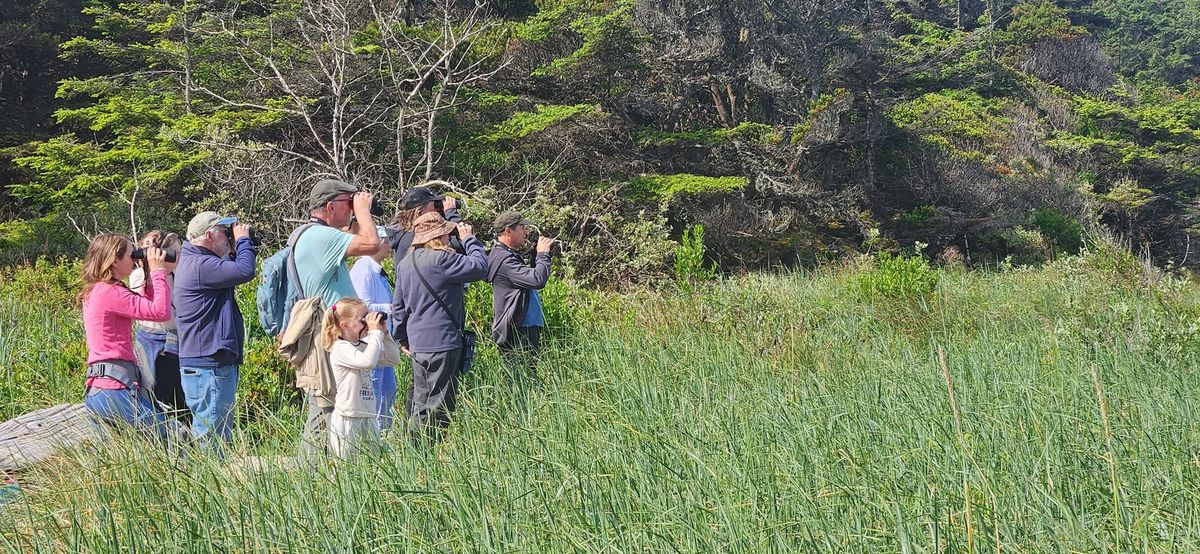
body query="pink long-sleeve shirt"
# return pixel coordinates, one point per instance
(109, 311)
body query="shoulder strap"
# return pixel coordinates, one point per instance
(293, 274)
(413, 260)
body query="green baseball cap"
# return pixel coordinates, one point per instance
(326, 190)
(508, 219)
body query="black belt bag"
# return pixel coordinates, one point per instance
(124, 372)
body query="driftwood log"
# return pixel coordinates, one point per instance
(36, 436)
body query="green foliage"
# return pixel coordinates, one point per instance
(898, 276)
(45, 283)
(691, 267)
(748, 131)
(666, 187)
(42, 352)
(1025, 246)
(50, 236)
(1036, 19)
(1062, 230)
(1127, 196)
(919, 216)
(543, 117)
(266, 382)
(725, 378)
(1150, 40)
(961, 121)
(605, 29)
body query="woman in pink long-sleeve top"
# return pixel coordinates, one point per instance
(109, 308)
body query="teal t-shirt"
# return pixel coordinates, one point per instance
(321, 263)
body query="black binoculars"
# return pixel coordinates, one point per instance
(140, 254)
(255, 240)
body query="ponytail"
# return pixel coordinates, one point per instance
(330, 332)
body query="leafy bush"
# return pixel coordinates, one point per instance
(919, 216)
(45, 283)
(690, 265)
(1026, 246)
(899, 276)
(543, 117)
(1064, 232)
(665, 187)
(266, 382)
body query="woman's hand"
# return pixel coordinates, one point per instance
(156, 258)
(465, 231)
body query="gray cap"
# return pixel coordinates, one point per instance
(205, 221)
(327, 190)
(508, 219)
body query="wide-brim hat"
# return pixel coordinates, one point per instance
(430, 226)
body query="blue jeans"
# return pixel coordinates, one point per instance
(210, 393)
(383, 380)
(124, 407)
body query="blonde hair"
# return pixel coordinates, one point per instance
(436, 244)
(338, 312)
(104, 250)
(404, 218)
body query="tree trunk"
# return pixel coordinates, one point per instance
(37, 436)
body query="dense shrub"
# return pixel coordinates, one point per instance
(1026, 246)
(46, 283)
(691, 267)
(1063, 231)
(898, 276)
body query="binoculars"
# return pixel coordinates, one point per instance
(255, 240)
(140, 254)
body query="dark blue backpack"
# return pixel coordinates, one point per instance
(280, 287)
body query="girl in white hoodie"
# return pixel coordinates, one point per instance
(357, 342)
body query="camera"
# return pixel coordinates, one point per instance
(255, 240)
(140, 254)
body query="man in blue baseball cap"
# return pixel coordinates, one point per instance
(211, 333)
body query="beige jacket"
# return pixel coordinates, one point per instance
(300, 343)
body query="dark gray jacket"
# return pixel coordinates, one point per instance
(511, 280)
(420, 322)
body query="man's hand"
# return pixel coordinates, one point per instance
(240, 231)
(362, 205)
(375, 322)
(449, 203)
(405, 350)
(544, 244)
(465, 231)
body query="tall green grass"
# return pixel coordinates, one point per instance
(768, 413)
